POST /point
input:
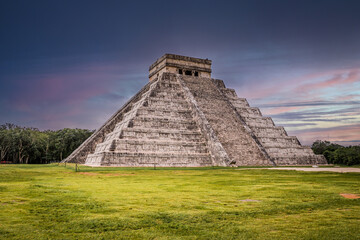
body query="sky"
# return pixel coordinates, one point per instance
(72, 64)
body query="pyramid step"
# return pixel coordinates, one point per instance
(153, 121)
(156, 99)
(130, 113)
(170, 134)
(272, 131)
(286, 141)
(148, 159)
(171, 88)
(230, 93)
(259, 121)
(162, 102)
(164, 107)
(253, 112)
(169, 112)
(159, 146)
(158, 122)
(297, 147)
(167, 95)
(239, 102)
(127, 117)
(300, 160)
(289, 152)
(120, 126)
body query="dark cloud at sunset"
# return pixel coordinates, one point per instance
(74, 63)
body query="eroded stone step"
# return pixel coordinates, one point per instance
(159, 146)
(146, 159)
(165, 107)
(171, 134)
(300, 160)
(286, 141)
(239, 102)
(168, 87)
(252, 112)
(230, 93)
(120, 126)
(167, 113)
(146, 122)
(170, 95)
(259, 121)
(273, 131)
(170, 103)
(289, 152)
(153, 114)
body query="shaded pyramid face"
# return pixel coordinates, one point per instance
(190, 121)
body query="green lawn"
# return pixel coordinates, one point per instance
(54, 202)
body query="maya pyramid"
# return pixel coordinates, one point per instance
(184, 118)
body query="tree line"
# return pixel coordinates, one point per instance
(30, 145)
(337, 154)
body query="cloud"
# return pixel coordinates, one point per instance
(317, 85)
(348, 133)
(298, 124)
(338, 79)
(278, 110)
(318, 113)
(308, 103)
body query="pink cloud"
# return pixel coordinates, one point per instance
(296, 87)
(337, 79)
(277, 110)
(348, 97)
(333, 134)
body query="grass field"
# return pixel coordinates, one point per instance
(54, 202)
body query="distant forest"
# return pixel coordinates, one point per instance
(30, 145)
(337, 154)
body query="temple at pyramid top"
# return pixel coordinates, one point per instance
(184, 118)
(178, 64)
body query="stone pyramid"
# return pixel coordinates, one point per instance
(184, 118)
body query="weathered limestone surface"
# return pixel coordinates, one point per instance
(239, 145)
(188, 120)
(159, 130)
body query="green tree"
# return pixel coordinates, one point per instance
(337, 154)
(29, 145)
(5, 143)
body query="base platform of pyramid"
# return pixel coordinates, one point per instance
(184, 118)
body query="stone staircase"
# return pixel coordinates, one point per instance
(158, 130)
(239, 145)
